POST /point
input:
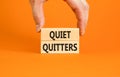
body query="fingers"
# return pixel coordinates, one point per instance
(38, 14)
(81, 9)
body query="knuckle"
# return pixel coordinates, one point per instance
(32, 1)
(38, 19)
(86, 6)
(37, 1)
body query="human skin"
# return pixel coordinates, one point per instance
(79, 7)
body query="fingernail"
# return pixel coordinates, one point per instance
(37, 28)
(82, 33)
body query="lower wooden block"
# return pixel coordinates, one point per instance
(59, 47)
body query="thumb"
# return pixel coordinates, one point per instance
(38, 14)
(80, 8)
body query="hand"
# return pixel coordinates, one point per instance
(80, 8)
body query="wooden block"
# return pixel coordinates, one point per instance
(59, 47)
(59, 40)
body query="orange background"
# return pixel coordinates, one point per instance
(20, 44)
